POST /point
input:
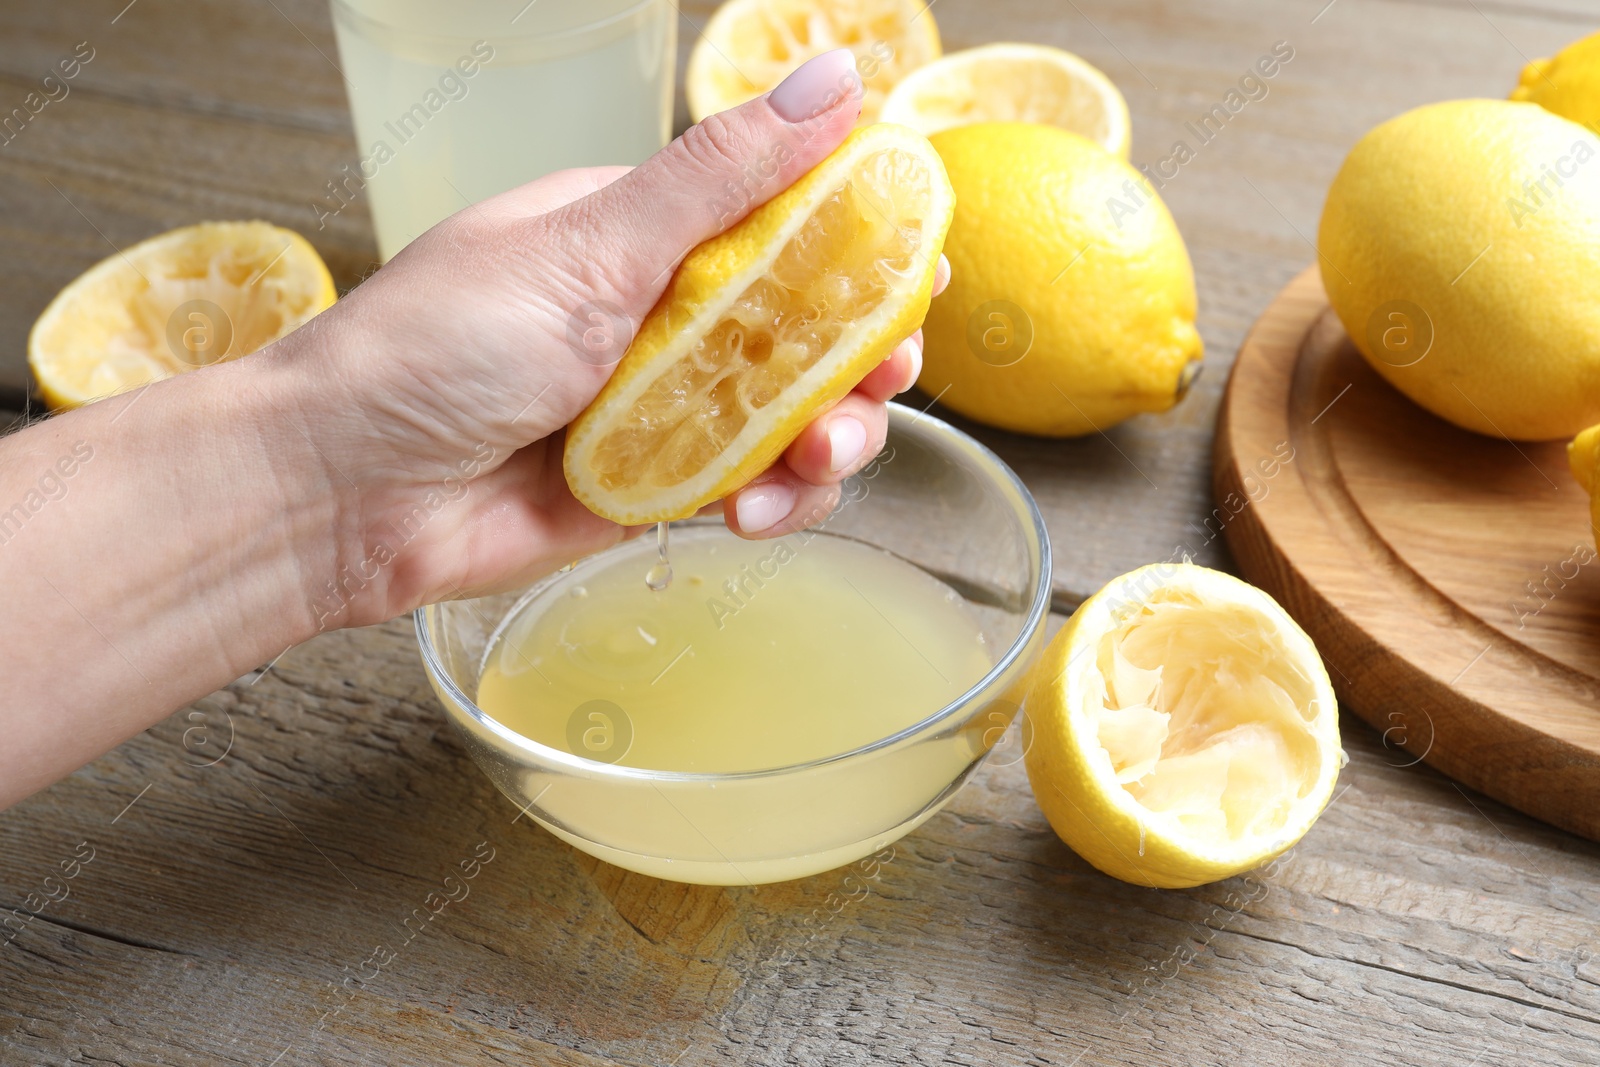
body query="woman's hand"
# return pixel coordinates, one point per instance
(447, 378)
(403, 447)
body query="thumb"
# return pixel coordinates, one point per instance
(641, 225)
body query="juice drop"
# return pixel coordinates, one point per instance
(659, 576)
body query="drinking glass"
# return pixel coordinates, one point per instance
(455, 102)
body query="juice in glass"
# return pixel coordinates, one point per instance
(455, 102)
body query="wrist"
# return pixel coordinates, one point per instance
(295, 481)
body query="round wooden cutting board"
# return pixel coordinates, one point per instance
(1450, 580)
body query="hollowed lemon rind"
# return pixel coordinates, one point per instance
(1072, 773)
(86, 344)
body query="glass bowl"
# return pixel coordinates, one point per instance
(935, 498)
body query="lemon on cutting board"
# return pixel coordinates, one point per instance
(196, 295)
(1460, 244)
(761, 327)
(1008, 82)
(1071, 302)
(1184, 728)
(749, 46)
(1567, 83)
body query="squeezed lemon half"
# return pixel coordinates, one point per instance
(1012, 83)
(192, 296)
(749, 46)
(1184, 728)
(762, 327)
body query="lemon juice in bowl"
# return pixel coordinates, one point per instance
(779, 725)
(757, 655)
(454, 103)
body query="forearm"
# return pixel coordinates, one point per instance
(153, 547)
(402, 447)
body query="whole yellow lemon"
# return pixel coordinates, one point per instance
(1460, 246)
(1567, 83)
(1071, 303)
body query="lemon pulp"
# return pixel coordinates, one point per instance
(1012, 83)
(763, 327)
(1184, 728)
(1203, 720)
(749, 46)
(836, 270)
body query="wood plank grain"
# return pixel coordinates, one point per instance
(267, 878)
(228, 899)
(268, 63)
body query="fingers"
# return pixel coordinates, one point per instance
(640, 226)
(895, 374)
(837, 444)
(803, 488)
(777, 503)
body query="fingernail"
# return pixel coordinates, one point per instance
(846, 438)
(762, 506)
(916, 362)
(816, 86)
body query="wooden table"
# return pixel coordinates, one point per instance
(227, 899)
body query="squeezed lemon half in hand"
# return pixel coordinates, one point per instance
(762, 327)
(1184, 728)
(1012, 83)
(192, 296)
(749, 46)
